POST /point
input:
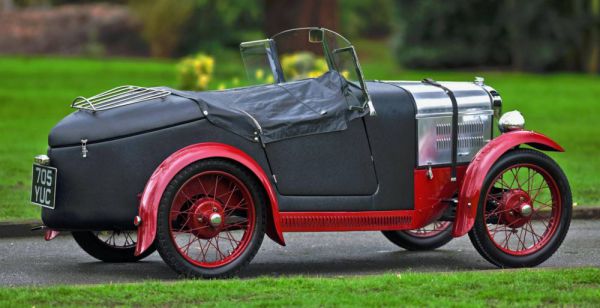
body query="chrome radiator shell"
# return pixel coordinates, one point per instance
(434, 120)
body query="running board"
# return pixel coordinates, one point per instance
(346, 221)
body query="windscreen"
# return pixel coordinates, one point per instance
(304, 53)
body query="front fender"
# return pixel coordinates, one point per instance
(149, 202)
(470, 190)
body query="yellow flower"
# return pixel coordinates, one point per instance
(259, 74)
(346, 74)
(321, 65)
(222, 86)
(210, 63)
(198, 66)
(270, 79)
(195, 72)
(203, 81)
(314, 74)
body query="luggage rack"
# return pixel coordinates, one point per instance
(117, 97)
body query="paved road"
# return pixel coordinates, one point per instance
(29, 261)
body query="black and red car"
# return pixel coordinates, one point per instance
(203, 176)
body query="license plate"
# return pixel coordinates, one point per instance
(43, 187)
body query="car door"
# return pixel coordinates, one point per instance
(332, 162)
(329, 164)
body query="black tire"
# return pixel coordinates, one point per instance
(167, 246)
(536, 253)
(103, 251)
(408, 240)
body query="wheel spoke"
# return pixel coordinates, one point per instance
(506, 226)
(117, 239)
(211, 192)
(430, 230)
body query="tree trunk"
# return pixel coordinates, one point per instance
(593, 61)
(515, 36)
(286, 14)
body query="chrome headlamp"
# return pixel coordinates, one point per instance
(512, 120)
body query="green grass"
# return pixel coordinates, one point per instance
(36, 92)
(563, 287)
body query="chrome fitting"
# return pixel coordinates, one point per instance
(510, 121)
(137, 221)
(42, 160)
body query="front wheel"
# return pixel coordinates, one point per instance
(432, 236)
(110, 246)
(524, 211)
(211, 220)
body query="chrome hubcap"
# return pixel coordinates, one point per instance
(215, 219)
(526, 210)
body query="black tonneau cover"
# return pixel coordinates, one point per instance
(270, 112)
(123, 121)
(280, 111)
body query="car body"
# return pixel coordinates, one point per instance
(158, 167)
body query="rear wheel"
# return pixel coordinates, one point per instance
(110, 246)
(524, 212)
(432, 236)
(211, 220)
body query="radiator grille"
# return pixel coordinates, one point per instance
(470, 135)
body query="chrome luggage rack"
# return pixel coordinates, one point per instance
(117, 97)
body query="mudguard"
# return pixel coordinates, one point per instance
(470, 190)
(150, 199)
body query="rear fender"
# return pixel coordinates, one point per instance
(150, 199)
(470, 190)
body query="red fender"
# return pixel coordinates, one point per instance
(470, 190)
(161, 177)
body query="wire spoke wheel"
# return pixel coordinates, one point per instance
(524, 212)
(212, 218)
(429, 237)
(117, 239)
(522, 209)
(431, 229)
(111, 246)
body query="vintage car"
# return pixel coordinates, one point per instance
(311, 147)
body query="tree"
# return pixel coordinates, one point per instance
(593, 59)
(286, 14)
(533, 35)
(162, 23)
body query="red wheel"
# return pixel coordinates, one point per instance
(525, 210)
(431, 229)
(110, 246)
(432, 236)
(213, 220)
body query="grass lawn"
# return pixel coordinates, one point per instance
(36, 92)
(547, 287)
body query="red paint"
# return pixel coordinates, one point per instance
(430, 194)
(345, 221)
(522, 232)
(176, 162)
(429, 206)
(50, 234)
(470, 190)
(213, 245)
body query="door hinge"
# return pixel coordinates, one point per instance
(84, 150)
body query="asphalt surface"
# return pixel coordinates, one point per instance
(32, 261)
